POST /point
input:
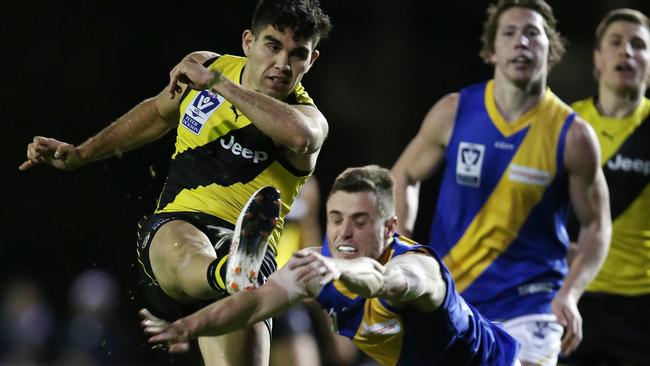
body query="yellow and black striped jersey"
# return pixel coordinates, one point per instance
(221, 158)
(626, 164)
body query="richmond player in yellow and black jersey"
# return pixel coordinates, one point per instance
(243, 124)
(222, 158)
(616, 306)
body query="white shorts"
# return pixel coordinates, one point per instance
(540, 336)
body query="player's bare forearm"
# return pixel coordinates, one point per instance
(302, 129)
(239, 311)
(139, 126)
(593, 244)
(594, 238)
(590, 199)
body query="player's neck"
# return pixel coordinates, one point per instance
(618, 104)
(513, 101)
(246, 79)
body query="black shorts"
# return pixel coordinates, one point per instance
(161, 304)
(616, 330)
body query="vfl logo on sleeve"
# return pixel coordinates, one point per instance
(200, 110)
(469, 163)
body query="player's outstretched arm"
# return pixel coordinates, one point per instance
(590, 200)
(421, 159)
(237, 311)
(414, 279)
(143, 124)
(363, 276)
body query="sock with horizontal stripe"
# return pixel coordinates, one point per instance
(217, 274)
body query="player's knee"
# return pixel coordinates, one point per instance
(177, 253)
(176, 241)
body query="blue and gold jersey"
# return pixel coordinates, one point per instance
(625, 155)
(453, 334)
(499, 221)
(221, 158)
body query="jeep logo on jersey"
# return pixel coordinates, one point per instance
(246, 153)
(200, 110)
(468, 164)
(628, 165)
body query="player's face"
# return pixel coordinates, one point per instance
(623, 61)
(354, 226)
(521, 46)
(276, 61)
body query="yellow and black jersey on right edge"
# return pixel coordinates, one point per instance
(222, 158)
(625, 145)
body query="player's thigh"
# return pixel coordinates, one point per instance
(172, 245)
(241, 348)
(540, 336)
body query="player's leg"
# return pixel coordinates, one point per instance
(250, 239)
(180, 255)
(241, 348)
(184, 261)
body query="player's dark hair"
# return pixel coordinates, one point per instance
(369, 178)
(304, 17)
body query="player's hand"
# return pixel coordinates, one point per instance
(565, 308)
(45, 150)
(192, 73)
(173, 335)
(363, 276)
(309, 264)
(394, 284)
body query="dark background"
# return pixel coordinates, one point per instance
(70, 68)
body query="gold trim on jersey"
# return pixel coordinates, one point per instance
(506, 128)
(340, 287)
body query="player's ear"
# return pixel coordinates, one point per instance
(314, 57)
(247, 40)
(391, 227)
